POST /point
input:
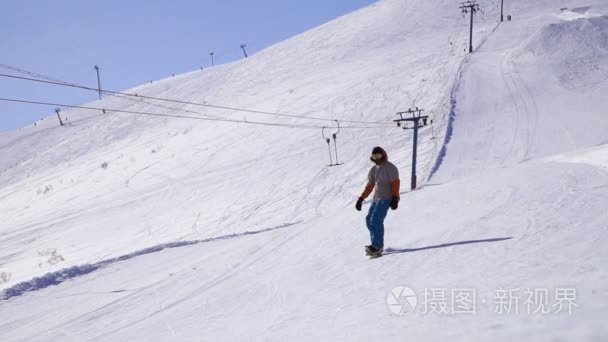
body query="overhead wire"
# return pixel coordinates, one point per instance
(106, 110)
(33, 74)
(56, 80)
(48, 80)
(35, 77)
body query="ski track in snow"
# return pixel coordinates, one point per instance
(517, 199)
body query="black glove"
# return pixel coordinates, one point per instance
(395, 202)
(359, 204)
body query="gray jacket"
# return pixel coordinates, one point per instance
(382, 177)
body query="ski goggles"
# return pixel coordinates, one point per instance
(377, 156)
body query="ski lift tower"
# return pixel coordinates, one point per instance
(418, 121)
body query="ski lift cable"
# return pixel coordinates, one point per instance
(139, 100)
(435, 66)
(438, 59)
(33, 74)
(107, 110)
(48, 80)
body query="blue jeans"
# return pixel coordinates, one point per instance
(375, 221)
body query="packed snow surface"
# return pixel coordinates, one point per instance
(125, 227)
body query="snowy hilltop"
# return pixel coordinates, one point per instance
(217, 218)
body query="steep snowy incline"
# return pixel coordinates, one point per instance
(110, 184)
(510, 207)
(535, 89)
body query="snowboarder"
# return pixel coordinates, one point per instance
(383, 180)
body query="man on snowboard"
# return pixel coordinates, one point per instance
(383, 179)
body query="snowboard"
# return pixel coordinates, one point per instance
(372, 255)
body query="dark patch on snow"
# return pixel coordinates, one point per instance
(452, 115)
(581, 10)
(449, 129)
(408, 250)
(47, 280)
(58, 277)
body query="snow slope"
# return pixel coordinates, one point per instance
(198, 231)
(525, 96)
(169, 179)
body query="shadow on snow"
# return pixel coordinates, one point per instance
(58, 277)
(409, 250)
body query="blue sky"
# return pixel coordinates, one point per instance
(136, 41)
